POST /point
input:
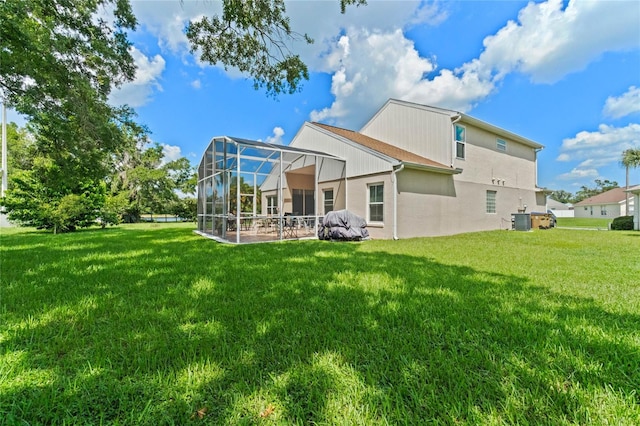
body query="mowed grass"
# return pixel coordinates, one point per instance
(584, 222)
(152, 325)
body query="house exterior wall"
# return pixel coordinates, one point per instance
(429, 132)
(357, 202)
(484, 163)
(422, 130)
(359, 162)
(602, 211)
(432, 204)
(636, 212)
(339, 195)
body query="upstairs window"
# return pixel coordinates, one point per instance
(501, 145)
(461, 140)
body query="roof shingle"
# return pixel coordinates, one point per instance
(383, 147)
(615, 195)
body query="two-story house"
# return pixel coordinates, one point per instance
(415, 170)
(411, 171)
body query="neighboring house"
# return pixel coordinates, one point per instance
(609, 204)
(635, 191)
(411, 171)
(560, 209)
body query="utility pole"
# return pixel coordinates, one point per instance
(4, 149)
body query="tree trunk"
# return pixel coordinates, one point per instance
(626, 212)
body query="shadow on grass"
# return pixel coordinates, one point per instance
(161, 326)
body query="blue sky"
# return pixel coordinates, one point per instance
(564, 74)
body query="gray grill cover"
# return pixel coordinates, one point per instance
(343, 225)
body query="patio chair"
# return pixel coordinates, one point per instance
(289, 229)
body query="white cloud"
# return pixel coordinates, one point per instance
(370, 68)
(196, 84)
(276, 138)
(597, 149)
(580, 173)
(624, 105)
(139, 91)
(375, 66)
(429, 13)
(547, 42)
(167, 20)
(170, 152)
(550, 41)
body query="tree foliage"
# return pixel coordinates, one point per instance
(84, 159)
(631, 158)
(601, 186)
(562, 196)
(50, 191)
(37, 199)
(59, 61)
(144, 182)
(254, 37)
(57, 50)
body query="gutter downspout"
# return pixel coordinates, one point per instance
(394, 179)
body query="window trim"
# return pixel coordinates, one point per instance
(272, 210)
(325, 199)
(462, 142)
(370, 203)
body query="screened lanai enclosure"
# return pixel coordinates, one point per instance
(251, 191)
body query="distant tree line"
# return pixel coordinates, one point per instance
(584, 192)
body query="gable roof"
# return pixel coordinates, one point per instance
(613, 196)
(455, 115)
(388, 150)
(634, 189)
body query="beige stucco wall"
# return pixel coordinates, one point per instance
(358, 198)
(431, 204)
(485, 164)
(339, 195)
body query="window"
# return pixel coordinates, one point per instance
(501, 145)
(272, 205)
(491, 201)
(328, 200)
(603, 210)
(376, 203)
(461, 140)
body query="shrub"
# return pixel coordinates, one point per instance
(622, 223)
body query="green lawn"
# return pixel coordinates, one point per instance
(584, 222)
(151, 324)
